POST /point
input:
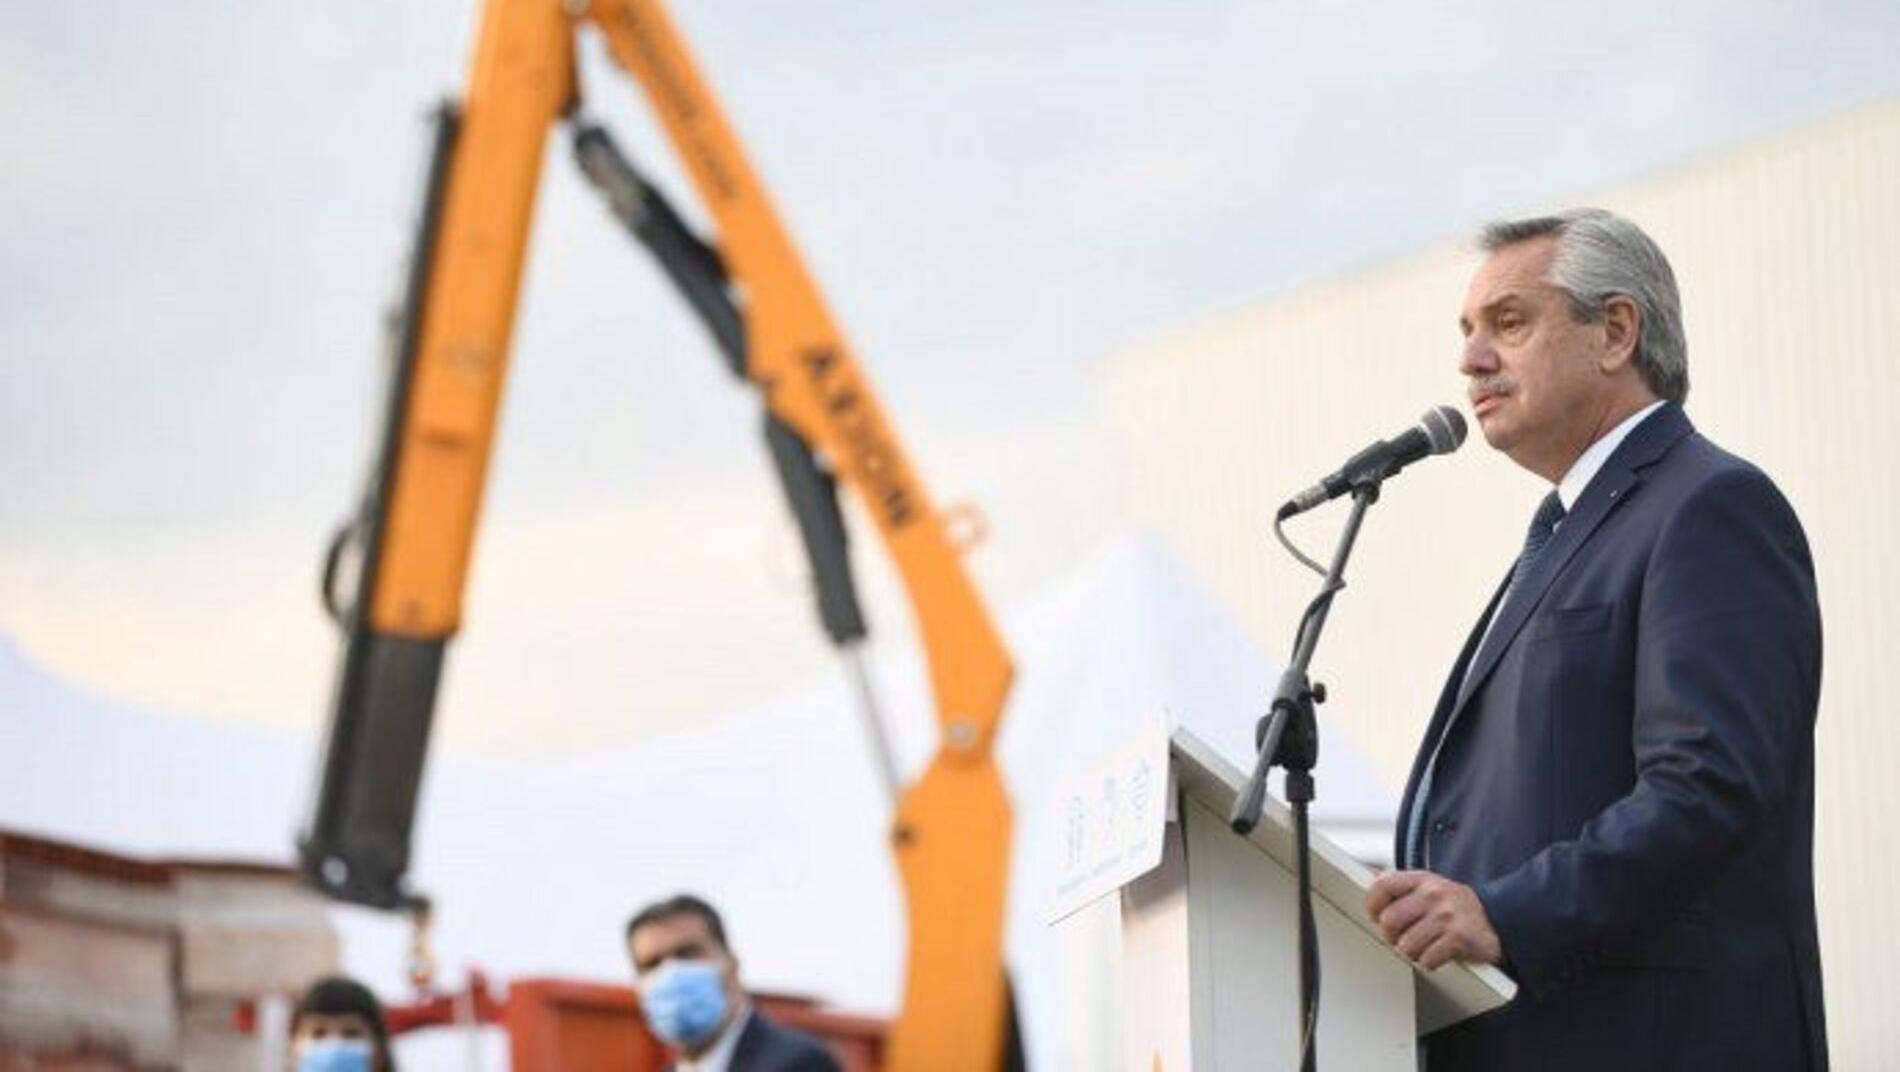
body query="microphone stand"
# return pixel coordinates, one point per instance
(1288, 737)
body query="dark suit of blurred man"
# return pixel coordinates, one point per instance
(687, 980)
(1614, 799)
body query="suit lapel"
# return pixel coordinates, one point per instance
(751, 1037)
(1614, 484)
(1441, 712)
(1461, 670)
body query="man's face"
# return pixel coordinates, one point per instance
(682, 937)
(1536, 384)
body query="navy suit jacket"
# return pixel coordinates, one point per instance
(765, 1046)
(1627, 778)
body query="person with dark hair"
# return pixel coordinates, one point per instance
(338, 1027)
(688, 983)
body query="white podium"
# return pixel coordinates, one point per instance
(1211, 947)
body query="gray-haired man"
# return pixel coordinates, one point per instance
(1615, 796)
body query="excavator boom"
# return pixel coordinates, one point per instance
(413, 534)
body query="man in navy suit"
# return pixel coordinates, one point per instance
(688, 982)
(1614, 799)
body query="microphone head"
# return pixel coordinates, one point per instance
(1444, 428)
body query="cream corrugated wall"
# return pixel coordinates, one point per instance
(1788, 255)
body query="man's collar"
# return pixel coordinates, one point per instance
(719, 1057)
(1590, 462)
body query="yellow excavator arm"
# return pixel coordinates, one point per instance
(412, 535)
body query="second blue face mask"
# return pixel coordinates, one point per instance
(336, 1055)
(684, 1001)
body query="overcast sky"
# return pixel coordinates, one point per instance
(204, 205)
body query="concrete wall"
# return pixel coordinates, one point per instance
(1788, 253)
(108, 962)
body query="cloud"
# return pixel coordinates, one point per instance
(205, 210)
(584, 622)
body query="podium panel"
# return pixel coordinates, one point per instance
(1211, 947)
(1246, 932)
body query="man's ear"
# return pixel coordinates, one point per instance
(1622, 327)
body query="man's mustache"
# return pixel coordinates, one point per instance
(1489, 385)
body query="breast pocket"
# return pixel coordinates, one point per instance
(1570, 621)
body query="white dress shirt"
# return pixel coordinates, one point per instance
(1590, 462)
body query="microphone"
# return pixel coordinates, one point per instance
(1440, 431)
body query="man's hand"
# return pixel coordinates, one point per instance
(1432, 920)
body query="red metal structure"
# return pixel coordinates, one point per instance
(559, 1025)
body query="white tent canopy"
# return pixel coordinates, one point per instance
(773, 813)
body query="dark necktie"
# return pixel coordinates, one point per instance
(1543, 525)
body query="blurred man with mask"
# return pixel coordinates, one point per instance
(688, 983)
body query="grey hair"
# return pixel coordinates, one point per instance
(1601, 255)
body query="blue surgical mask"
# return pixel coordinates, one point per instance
(336, 1055)
(684, 1001)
